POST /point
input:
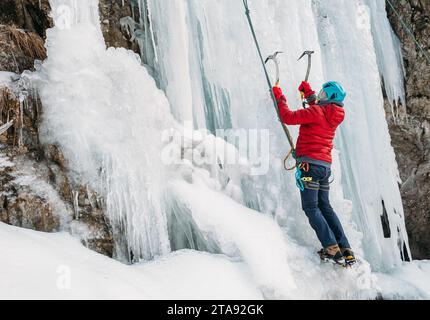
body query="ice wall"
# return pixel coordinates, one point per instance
(105, 112)
(208, 66)
(370, 174)
(388, 51)
(103, 109)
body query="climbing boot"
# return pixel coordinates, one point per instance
(332, 254)
(349, 257)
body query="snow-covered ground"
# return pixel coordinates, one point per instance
(410, 281)
(37, 265)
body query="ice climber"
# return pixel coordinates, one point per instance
(318, 125)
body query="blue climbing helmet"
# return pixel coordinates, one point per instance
(331, 92)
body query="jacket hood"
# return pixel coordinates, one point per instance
(334, 114)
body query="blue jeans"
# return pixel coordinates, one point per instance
(316, 204)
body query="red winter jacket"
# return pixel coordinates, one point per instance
(318, 126)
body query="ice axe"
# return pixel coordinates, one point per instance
(274, 58)
(308, 72)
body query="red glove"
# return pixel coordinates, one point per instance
(306, 89)
(278, 93)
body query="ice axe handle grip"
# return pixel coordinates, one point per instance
(308, 72)
(303, 100)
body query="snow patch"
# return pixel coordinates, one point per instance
(57, 266)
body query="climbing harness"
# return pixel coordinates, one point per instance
(304, 166)
(308, 72)
(275, 104)
(299, 182)
(299, 176)
(325, 187)
(308, 182)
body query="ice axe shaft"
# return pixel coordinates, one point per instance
(308, 72)
(309, 54)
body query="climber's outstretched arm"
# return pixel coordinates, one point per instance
(305, 116)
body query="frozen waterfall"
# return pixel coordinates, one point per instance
(115, 118)
(210, 71)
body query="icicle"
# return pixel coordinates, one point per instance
(389, 55)
(5, 127)
(128, 25)
(22, 99)
(75, 195)
(91, 197)
(151, 31)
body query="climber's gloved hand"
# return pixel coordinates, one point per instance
(277, 91)
(306, 90)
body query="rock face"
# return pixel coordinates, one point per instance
(30, 15)
(410, 133)
(19, 48)
(23, 24)
(111, 13)
(123, 27)
(21, 205)
(35, 191)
